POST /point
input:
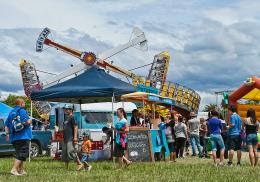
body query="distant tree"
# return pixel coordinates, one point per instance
(10, 100)
(210, 107)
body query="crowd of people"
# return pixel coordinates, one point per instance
(212, 134)
(204, 135)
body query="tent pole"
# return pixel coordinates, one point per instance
(143, 110)
(30, 143)
(80, 118)
(113, 133)
(113, 116)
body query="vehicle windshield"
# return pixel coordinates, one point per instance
(96, 117)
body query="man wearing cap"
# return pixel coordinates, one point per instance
(193, 128)
(70, 133)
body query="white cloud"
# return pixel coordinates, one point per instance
(214, 45)
(207, 98)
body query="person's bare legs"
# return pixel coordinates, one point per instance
(21, 168)
(172, 156)
(16, 166)
(251, 155)
(230, 155)
(78, 161)
(126, 161)
(121, 162)
(255, 155)
(221, 156)
(239, 155)
(214, 156)
(126, 154)
(80, 165)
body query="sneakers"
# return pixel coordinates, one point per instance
(89, 168)
(238, 164)
(229, 164)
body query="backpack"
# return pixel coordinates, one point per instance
(16, 122)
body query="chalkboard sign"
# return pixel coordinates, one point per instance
(139, 145)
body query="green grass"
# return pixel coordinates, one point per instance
(188, 169)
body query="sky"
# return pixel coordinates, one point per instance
(214, 44)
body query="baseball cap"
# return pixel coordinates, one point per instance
(68, 106)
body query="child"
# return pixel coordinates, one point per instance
(86, 151)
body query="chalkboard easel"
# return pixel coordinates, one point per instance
(140, 145)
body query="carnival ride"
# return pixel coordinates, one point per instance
(31, 80)
(178, 97)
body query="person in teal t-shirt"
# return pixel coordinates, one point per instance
(234, 138)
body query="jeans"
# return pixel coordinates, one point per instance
(195, 142)
(203, 143)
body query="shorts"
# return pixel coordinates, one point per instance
(234, 142)
(85, 158)
(119, 150)
(251, 139)
(69, 151)
(21, 149)
(171, 147)
(216, 139)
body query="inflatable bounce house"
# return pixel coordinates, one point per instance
(246, 96)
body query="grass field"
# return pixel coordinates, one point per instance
(188, 169)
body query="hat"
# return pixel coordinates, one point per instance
(68, 106)
(85, 134)
(192, 114)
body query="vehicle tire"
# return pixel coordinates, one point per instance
(35, 149)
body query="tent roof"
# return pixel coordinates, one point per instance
(94, 85)
(252, 95)
(4, 110)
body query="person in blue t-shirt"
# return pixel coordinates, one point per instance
(234, 138)
(19, 139)
(215, 127)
